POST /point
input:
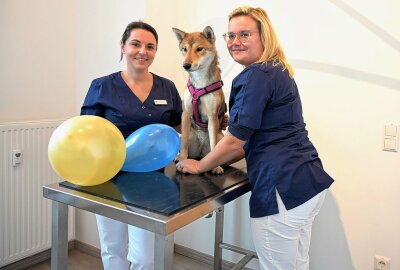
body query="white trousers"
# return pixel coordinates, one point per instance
(282, 241)
(114, 236)
(141, 248)
(113, 243)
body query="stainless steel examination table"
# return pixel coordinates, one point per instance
(161, 201)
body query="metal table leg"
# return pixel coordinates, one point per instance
(219, 234)
(59, 236)
(163, 252)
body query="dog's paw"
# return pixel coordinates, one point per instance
(179, 157)
(217, 170)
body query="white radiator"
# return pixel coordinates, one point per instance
(25, 216)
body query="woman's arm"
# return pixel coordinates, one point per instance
(228, 150)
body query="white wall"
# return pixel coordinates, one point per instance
(346, 59)
(37, 52)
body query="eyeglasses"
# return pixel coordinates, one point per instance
(243, 36)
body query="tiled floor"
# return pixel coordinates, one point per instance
(78, 260)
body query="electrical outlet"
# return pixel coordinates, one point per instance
(381, 263)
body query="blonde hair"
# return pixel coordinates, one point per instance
(272, 49)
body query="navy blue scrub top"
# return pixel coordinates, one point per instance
(279, 154)
(111, 98)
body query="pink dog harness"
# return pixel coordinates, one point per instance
(196, 94)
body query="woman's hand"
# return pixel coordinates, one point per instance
(188, 166)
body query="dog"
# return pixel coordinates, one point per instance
(203, 100)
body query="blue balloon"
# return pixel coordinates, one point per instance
(151, 148)
(151, 191)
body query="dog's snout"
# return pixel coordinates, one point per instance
(187, 66)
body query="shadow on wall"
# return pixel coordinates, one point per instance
(329, 249)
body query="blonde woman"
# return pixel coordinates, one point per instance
(266, 126)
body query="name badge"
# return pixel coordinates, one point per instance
(160, 102)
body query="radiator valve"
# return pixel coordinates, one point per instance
(16, 157)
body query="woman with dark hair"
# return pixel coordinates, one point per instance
(131, 99)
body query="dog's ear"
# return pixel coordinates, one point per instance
(179, 34)
(209, 34)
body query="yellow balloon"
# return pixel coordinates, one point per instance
(87, 150)
(112, 192)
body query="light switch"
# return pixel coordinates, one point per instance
(391, 130)
(390, 138)
(390, 144)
